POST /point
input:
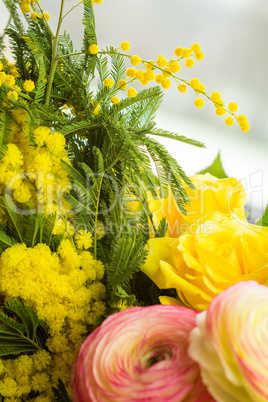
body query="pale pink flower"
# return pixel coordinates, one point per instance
(230, 343)
(139, 354)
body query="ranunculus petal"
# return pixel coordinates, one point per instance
(139, 354)
(230, 343)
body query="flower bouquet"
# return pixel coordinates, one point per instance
(122, 279)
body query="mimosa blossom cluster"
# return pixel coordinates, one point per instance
(66, 291)
(31, 6)
(162, 71)
(32, 171)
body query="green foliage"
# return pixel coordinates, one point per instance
(264, 220)
(5, 121)
(216, 169)
(111, 150)
(162, 228)
(60, 393)
(29, 229)
(145, 289)
(89, 23)
(128, 256)
(21, 52)
(20, 329)
(41, 83)
(12, 5)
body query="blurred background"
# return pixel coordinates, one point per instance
(232, 35)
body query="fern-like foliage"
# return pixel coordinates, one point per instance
(29, 229)
(5, 126)
(128, 256)
(41, 82)
(12, 6)
(20, 329)
(111, 147)
(61, 393)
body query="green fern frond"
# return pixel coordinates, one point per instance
(174, 136)
(21, 330)
(41, 83)
(145, 111)
(5, 128)
(55, 117)
(32, 228)
(60, 392)
(102, 67)
(141, 96)
(98, 161)
(170, 174)
(118, 70)
(39, 40)
(128, 256)
(11, 5)
(48, 227)
(15, 219)
(21, 52)
(6, 241)
(82, 127)
(89, 23)
(162, 228)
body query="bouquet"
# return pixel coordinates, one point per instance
(122, 279)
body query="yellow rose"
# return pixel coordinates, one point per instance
(210, 194)
(215, 253)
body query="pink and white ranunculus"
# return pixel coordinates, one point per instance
(230, 343)
(139, 354)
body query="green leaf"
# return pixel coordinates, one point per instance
(41, 83)
(162, 228)
(34, 225)
(20, 329)
(145, 111)
(128, 256)
(11, 5)
(145, 289)
(264, 220)
(169, 173)
(118, 71)
(3, 125)
(60, 392)
(176, 137)
(102, 66)
(89, 22)
(15, 219)
(141, 96)
(6, 241)
(81, 127)
(215, 169)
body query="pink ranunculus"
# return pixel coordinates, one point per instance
(139, 354)
(230, 343)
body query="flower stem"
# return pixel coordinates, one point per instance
(71, 9)
(54, 60)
